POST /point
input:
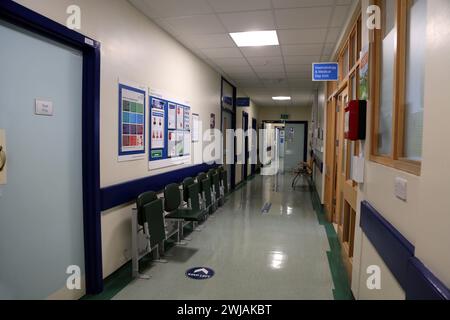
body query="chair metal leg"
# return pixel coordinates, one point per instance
(180, 242)
(135, 248)
(157, 257)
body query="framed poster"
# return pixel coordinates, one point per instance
(170, 127)
(132, 104)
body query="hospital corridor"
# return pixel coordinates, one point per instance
(242, 159)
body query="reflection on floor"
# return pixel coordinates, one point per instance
(266, 242)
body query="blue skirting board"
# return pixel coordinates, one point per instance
(397, 252)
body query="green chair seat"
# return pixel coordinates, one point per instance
(185, 214)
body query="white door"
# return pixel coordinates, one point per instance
(41, 206)
(294, 145)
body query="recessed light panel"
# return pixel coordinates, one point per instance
(255, 38)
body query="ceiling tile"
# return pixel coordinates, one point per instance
(302, 50)
(303, 17)
(249, 83)
(286, 4)
(269, 68)
(265, 61)
(248, 21)
(339, 16)
(222, 53)
(207, 24)
(328, 49)
(246, 71)
(224, 62)
(239, 5)
(344, 2)
(302, 36)
(240, 74)
(172, 8)
(272, 75)
(301, 59)
(295, 68)
(268, 51)
(333, 35)
(299, 75)
(204, 41)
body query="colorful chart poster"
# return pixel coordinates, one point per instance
(157, 125)
(172, 116)
(131, 123)
(180, 117)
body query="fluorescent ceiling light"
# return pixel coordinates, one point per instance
(281, 98)
(255, 38)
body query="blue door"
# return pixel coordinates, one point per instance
(41, 204)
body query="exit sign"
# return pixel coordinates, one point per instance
(284, 117)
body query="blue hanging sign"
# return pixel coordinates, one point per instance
(325, 71)
(200, 273)
(243, 102)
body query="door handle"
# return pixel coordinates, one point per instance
(2, 158)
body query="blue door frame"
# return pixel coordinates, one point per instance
(246, 152)
(30, 20)
(233, 125)
(254, 144)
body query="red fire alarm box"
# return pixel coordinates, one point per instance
(355, 120)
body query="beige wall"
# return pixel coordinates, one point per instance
(424, 219)
(296, 113)
(133, 49)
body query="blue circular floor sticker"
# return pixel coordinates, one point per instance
(200, 273)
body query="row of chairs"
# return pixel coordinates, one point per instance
(158, 217)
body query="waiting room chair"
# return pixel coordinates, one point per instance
(172, 205)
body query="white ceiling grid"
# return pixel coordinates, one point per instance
(307, 29)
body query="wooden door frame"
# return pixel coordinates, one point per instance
(330, 158)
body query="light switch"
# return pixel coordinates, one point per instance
(401, 188)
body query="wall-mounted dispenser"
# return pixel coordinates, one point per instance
(3, 157)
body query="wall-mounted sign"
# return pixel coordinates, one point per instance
(284, 117)
(325, 71)
(243, 102)
(227, 101)
(43, 108)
